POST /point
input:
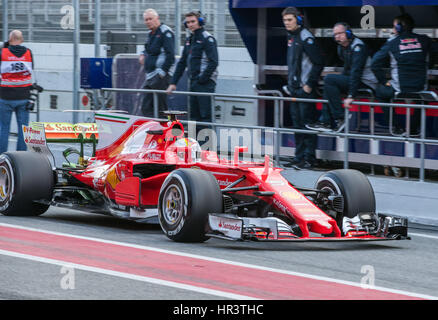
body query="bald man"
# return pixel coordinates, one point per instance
(16, 65)
(158, 58)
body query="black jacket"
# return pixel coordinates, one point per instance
(357, 65)
(21, 93)
(159, 51)
(409, 55)
(200, 56)
(304, 59)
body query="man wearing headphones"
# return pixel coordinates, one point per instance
(200, 56)
(305, 65)
(409, 56)
(357, 74)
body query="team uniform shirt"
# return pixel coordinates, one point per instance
(16, 73)
(304, 59)
(409, 59)
(357, 65)
(200, 56)
(159, 52)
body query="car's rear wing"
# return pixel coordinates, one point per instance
(38, 134)
(67, 132)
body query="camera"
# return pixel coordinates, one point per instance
(34, 91)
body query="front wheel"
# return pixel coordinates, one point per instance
(186, 198)
(353, 186)
(25, 177)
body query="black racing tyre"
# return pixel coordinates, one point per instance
(186, 198)
(24, 178)
(354, 186)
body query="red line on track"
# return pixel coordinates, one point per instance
(224, 277)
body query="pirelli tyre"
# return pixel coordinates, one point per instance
(186, 198)
(25, 177)
(355, 188)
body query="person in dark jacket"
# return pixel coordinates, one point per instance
(16, 67)
(409, 56)
(158, 59)
(305, 65)
(200, 57)
(356, 75)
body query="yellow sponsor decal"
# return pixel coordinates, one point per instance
(64, 130)
(302, 210)
(87, 127)
(290, 195)
(112, 178)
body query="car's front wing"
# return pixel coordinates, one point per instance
(235, 228)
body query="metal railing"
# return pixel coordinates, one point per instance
(277, 100)
(41, 20)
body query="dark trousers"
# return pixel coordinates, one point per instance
(385, 94)
(334, 86)
(200, 106)
(156, 83)
(303, 113)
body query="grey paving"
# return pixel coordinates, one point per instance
(408, 265)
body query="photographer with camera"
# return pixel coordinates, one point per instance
(16, 65)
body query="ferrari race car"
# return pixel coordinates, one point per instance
(148, 170)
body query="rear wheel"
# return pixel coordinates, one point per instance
(186, 198)
(25, 177)
(354, 187)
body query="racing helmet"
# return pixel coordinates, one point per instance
(194, 146)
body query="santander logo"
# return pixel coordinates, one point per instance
(229, 226)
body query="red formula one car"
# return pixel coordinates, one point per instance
(144, 170)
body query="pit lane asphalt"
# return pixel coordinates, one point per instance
(402, 265)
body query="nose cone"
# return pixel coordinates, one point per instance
(322, 227)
